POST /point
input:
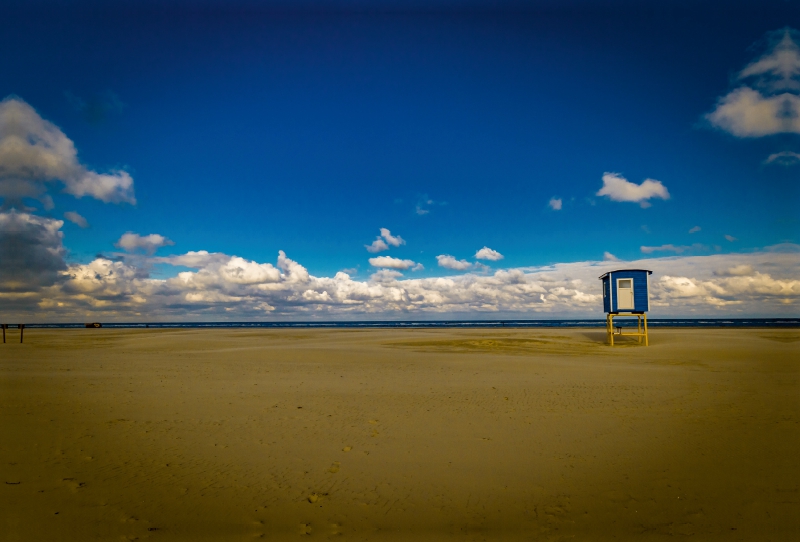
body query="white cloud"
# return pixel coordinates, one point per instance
(423, 204)
(746, 112)
(377, 245)
(730, 238)
(608, 257)
(198, 259)
(380, 242)
(695, 229)
(487, 253)
(618, 188)
(230, 287)
(784, 158)
(779, 67)
(395, 241)
(76, 219)
(449, 262)
(392, 263)
(148, 243)
(768, 103)
(555, 204)
(35, 153)
(665, 248)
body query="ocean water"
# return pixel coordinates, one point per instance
(625, 322)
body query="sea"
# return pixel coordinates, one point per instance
(411, 324)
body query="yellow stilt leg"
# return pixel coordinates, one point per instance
(646, 338)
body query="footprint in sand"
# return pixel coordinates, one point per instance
(374, 433)
(314, 497)
(305, 528)
(347, 448)
(334, 468)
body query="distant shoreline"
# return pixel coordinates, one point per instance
(445, 324)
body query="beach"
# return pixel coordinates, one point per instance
(477, 434)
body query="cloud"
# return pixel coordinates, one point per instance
(768, 102)
(608, 257)
(617, 188)
(76, 219)
(423, 205)
(487, 253)
(228, 287)
(196, 260)
(670, 248)
(736, 271)
(34, 153)
(555, 204)
(449, 262)
(784, 158)
(31, 252)
(377, 245)
(393, 263)
(132, 242)
(779, 67)
(380, 242)
(730, 238)
(746, 112)
(395, 241)
(695, 229)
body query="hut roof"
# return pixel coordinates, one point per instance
(601, 277)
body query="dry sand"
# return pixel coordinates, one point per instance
(399, 435)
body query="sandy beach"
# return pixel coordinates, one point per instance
(399, 435)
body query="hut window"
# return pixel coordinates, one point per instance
(626, 283)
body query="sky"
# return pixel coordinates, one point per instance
(396, 160)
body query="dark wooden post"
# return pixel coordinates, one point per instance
(21, 331)
(5, 327)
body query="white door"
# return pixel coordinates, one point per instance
(624, 294)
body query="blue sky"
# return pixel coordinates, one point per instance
(251, 128)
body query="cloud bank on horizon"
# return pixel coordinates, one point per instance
(222, 286)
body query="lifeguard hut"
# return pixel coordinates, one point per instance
(626, 292)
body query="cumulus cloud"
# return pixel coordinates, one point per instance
(34, 153)
(76, 219)
(487, 253)
(673, 248)
(608, 257)
(395, 241)
(695, 229)
(450, 262)
(555, 204)
(784, 158)
(132, 242)
(618, 188)
(231, 287)
(746, 112)
(383, 241)
(198, 259)
(768, 103)
(377, 245)
(730, 238)
(31, 251)
(393, 263)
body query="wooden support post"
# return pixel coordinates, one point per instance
(4, 326)
(639, 328)
(646, 336)
(21, 331)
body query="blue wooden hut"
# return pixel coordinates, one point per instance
(626, 292)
